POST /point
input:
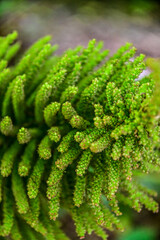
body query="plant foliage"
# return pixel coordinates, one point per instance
(75, 130)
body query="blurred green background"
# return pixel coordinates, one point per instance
(73, 22)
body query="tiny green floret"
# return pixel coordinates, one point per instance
(23, 136)
(6, 126)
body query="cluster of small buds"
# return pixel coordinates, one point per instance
(44, 148)
(54, 134)
(50, 113)
(23, 135)
(74, 130)
(6, 126)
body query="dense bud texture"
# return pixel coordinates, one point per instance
(74, 131)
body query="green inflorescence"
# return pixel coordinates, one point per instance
(74, 132)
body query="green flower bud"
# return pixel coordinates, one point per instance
(6, 126)
(23, 136)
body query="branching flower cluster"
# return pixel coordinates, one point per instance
(74, 131)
